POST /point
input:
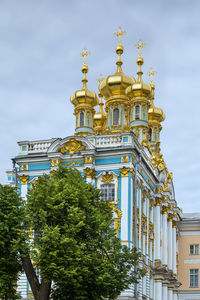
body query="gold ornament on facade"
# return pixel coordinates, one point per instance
(24, 167)
(132, 172)
(107, 178)
(89, 173)
(170, 217)
(72, 146)
(55, 162)
(89, 160)
(165, 210)
(174, 223)
(158, 201)
(124, 171)
(124, 158)
(24, 179)
(118, 215)
(73, 163)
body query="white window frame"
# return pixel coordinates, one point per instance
(193, 282)
(109, 194)
(194, 249)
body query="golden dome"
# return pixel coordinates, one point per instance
(117, 83)
(155, 113)
(84, 96)
(139, 88)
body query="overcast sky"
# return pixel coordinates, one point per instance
(40, 45)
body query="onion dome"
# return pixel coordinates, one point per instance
(117, 83)
(100, 117)
(84, 102)
(139, 88)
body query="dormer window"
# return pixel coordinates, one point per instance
(137, 112)
(115, 116)
(81, 119)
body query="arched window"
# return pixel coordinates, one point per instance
(115, 116)
(150, 134)
(81, 119)
(137, 112)
(108, 191)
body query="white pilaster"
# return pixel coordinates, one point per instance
(174, 247)
(158, 289)
(170, 250)
(170, 293)
(164, 291)
(157, 227)
(164, 236)
(124, 206)
(175, 295)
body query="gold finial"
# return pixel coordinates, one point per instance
(140, 46)
(119, 49)
(84, 68)
(151, 73)
(100, 79)
(119, 34)
(84, 54)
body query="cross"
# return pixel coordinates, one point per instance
(85, 53)
(100, 79)
(140, 46)
(151, 73)
(119, 34)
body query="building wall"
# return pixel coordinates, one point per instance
(189, 234)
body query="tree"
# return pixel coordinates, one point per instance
(10, 234)
(74, 244)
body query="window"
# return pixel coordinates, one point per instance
(82, 118)
(108, 191)
(115, 116)
(194, 278)
(137, 112)
(194, 249)
(150, 134)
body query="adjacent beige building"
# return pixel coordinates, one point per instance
(189, 257)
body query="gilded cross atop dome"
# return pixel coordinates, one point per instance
(84, 54)
(119, 34)
(140, 46)
(151, 73)
(100, 79)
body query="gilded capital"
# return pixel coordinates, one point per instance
(124, 158)
(89, 159)
(174, 223)
(124, 171)
(158, 201)
(170, 217)
(24, 179)
(164, 210)
(89, 173)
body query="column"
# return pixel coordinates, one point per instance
(158, 289)
(174, 224)
(165, 291)
(175, 295)
(124, 205)
(139, 215)
(170, 218)
(170, 293)
(24, 186)
(151, 285)
(157, 256)
(90, 175)
(164, 235)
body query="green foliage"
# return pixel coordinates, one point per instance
(10, 233)
(74, 243)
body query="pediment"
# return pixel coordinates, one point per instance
(70, 145)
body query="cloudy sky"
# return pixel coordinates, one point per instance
(40, 45)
